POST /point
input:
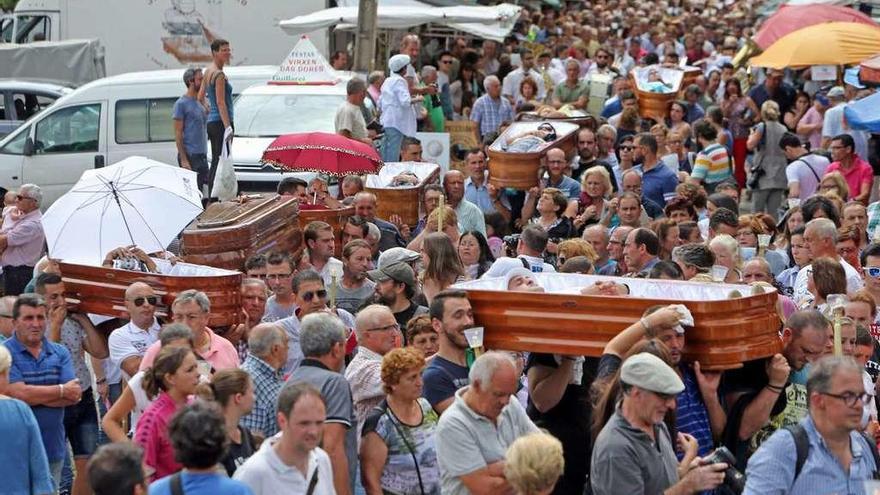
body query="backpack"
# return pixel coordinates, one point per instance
(802, 449)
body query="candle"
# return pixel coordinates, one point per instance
(335, 272)
(836, 305)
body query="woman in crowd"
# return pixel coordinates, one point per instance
(696, 195)
(800, 257)
(22, 452)
(397, 450)
(740, 111)
(679, 210)
(825, 277)
(465, 90)
(233, 390)
(533, 463)
(668, 233)
(769, 159)
(726, 251)
(173, 377)
(528, 94)
(421, 335)
(792, 219)
(748, 231)
(833, 182)
(809, 128)
(796, 112)
(675, 120)
(134, 399)
(684, 157)
(848, 246)
(441, 265)
(629, 123)
(595, 189)
(715, 116)
(572, 248)
(199, 439)
(219, 93)
(666, 270)
(448, 217)
(689, 233)
(862, 308)
(549, 215)
(473, 249)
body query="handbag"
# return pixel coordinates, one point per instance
(225, 185)
(755, 169)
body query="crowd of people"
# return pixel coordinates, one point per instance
(351, 372)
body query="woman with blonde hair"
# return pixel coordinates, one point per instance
(22, 452)
(668, 234)
(398, 449)
(833, 182)
(768, 181)
(571, 248)
(533, 463)
(726, 251)
(441, 265)
(595, 190)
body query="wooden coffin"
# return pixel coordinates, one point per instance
(101, 291)
(582, 121)
(228, 233)
(403, 201)
(653, 105)
(520, 170)
(336, 218)
(727, 332)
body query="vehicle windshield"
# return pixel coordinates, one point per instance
(274, 115)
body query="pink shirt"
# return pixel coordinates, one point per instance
(860, 173)
(222, 354)
(813, 117)
(152, 436)
(24, 236)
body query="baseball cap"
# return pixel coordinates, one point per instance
(649, 372)
(822, 99)
(399, 272)
(396, 255)
(836, 92)
(398, 62)
(851, 77)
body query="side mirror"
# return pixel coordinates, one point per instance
(28, 147)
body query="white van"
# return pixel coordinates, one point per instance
(101, 123)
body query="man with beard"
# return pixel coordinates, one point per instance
(311, 297)
(321, 243)
(395, 287)
(451, 314)
(281, 304)
(588, 150)
(354, 289)
(190, 128)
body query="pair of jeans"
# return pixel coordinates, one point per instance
(198, 162)
(16, 278)
(391, 145)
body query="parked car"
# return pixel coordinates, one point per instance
(21, 100)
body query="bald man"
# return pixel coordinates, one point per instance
(377, 333)
(129, 342)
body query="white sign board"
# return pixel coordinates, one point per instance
(823, 72)
(435, 148)
(304, 65)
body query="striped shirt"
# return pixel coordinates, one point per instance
(712, 164)
(691, 415)
(267, 386)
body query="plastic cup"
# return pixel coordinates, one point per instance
(719, 273)
(792, 202)
(474, 337)
(763, 240)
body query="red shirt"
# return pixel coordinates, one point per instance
(860, 173)
(152, 435)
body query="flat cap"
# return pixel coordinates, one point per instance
(649, 372)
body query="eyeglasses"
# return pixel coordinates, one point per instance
(627, 148)
(139, 301)
(446, 61)
(873, 271)
(849, 399)
(387, 328)
(308, 296)
(22, 196)
(846, 250)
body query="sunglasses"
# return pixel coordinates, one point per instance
(446, 61)
(627, 148)
(308, 296)
(873, 271)
(139, 301)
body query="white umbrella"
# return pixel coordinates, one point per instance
(136, 201)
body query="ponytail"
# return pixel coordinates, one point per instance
(224, 385)
(167, 362)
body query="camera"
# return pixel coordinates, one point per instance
(734, 480)
(510, 243)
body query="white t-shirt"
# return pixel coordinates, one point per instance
(504, 264)
(802, 296)
(799, 172)
(127, 341)
(141, 401)
(266, 474)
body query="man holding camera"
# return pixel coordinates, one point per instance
(826, 452)
(634, 452)
(530, 247)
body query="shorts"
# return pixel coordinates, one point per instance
(81, 425)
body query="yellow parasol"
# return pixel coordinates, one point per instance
(830, 43)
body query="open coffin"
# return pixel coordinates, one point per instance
(228, 233)
(519, 169)
(654, 97)
(101, 291)
(727, 331)
(403, 200)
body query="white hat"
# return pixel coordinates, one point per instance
(398, 62)
(649, 372)
(396, 255)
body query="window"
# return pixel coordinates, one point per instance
(15, 145)
(274, 115)
(29, 104)
(144, 121)
(6, 25)
(69, 130)
(33, 28)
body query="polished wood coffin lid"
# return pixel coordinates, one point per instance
(727, 332)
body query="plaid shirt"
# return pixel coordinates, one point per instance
(873, 219)
(489, 114)
(267, 386)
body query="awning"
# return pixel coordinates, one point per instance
(494, 22)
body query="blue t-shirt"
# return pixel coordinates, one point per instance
(441, 379)
(53, 367)
(195, 119)
(202, 483)
(211, 93)
(658, 183)
(23, 465)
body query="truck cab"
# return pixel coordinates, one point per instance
(33, 20)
